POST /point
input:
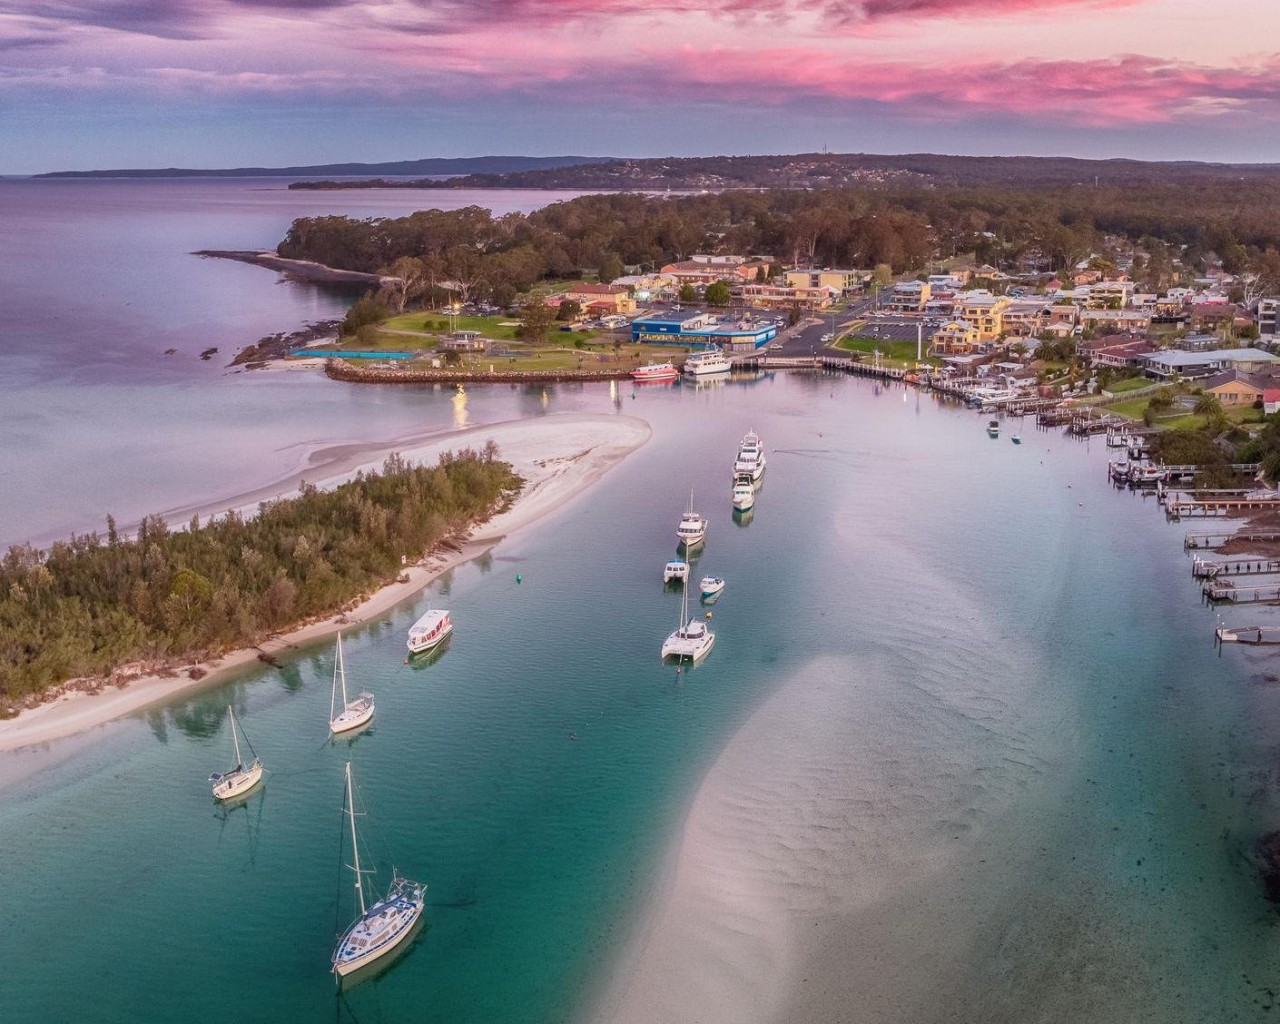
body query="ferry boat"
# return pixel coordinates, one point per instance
(429, 631)
(744, 492)
(703, 364)
(693, 527)
(379, 929)
(655, 371)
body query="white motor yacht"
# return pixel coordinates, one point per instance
(711, 585)
(749, 464)
(693, 527)
(704, 364)
(744, 492)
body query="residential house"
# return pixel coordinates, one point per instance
(599, 299)
(704, 270)
(1209, 316)
(1169, 363)
(1235, 388)
(1271, 401)
(1268, 318)
(1022, 319)
(1115, 319)
(1110, 294)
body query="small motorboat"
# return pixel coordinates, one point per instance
(1016, 439)
(429, 631)
(676, 569)
(993, 428)
(711, 586)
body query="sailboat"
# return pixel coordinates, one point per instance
(354, 713)
(691, 638)
(240, 779)
(379, 929)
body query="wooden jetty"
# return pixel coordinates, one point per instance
(1220, 507)
(1210, 569)
(1228, 592)
(1215, 538)
(1256, 635)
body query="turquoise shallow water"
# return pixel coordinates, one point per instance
(890, 529)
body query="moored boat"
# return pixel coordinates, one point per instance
(744, 492)
(711, 586)
(354, 713)
(993, 428)
(676, 569)
(430, 630)
(703, 364)
(242, 778)
(379, 929)
(655, 371)
(1016, 439)
(692, 528)
(691, 638)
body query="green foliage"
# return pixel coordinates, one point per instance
(610, 267)
(568, 310)
(718, 293)
(536, 319)
(365, 312)
(1186, 447)
(85, 607)
(688, 293)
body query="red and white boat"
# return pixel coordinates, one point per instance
(656, 371)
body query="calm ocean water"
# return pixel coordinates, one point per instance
(1035, 635)
(97, 282)
(1046, 627)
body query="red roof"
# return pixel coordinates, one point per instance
(1271, 394)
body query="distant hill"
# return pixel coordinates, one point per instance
(431, 165)
(840, 170)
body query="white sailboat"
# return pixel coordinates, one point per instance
(691, 639)
(240, 779)
(379, 929)
(354, 713)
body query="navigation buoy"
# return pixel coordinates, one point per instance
(708, 615)
(519, 578)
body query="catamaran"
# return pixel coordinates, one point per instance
(354, 713)
(691, 639)
(429, 631)
(693, 527)
(676, 569)
(379, 929)
(241, 778)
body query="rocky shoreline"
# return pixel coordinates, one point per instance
(340, 369)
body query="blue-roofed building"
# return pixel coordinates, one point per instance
(702, 330)
(1176, 363)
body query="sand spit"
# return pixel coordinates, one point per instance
(559, 457)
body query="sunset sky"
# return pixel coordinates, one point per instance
(217, 83)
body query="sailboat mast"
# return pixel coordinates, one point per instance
(234, 738)
(333, 693)
(355, 843)
(342, 672)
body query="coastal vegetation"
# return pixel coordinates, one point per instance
(91, 605)
(469, 254)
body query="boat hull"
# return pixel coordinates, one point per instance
(348, 959)
(744, 503)
(353, 716)
(422, 646)
(237, 782)
(684, 650)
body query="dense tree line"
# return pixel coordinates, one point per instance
(469, 253)
(92, 604)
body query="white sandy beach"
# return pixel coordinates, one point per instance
(558, 456)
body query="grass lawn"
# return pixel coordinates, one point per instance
(555, 354)
(439, 323)
(1132, 384)
(902, 353)
(1132, 409)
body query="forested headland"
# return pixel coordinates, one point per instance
(1177, 223)
(93, 604)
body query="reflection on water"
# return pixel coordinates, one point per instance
(379, 968)
(426, 659)
(459, 402)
